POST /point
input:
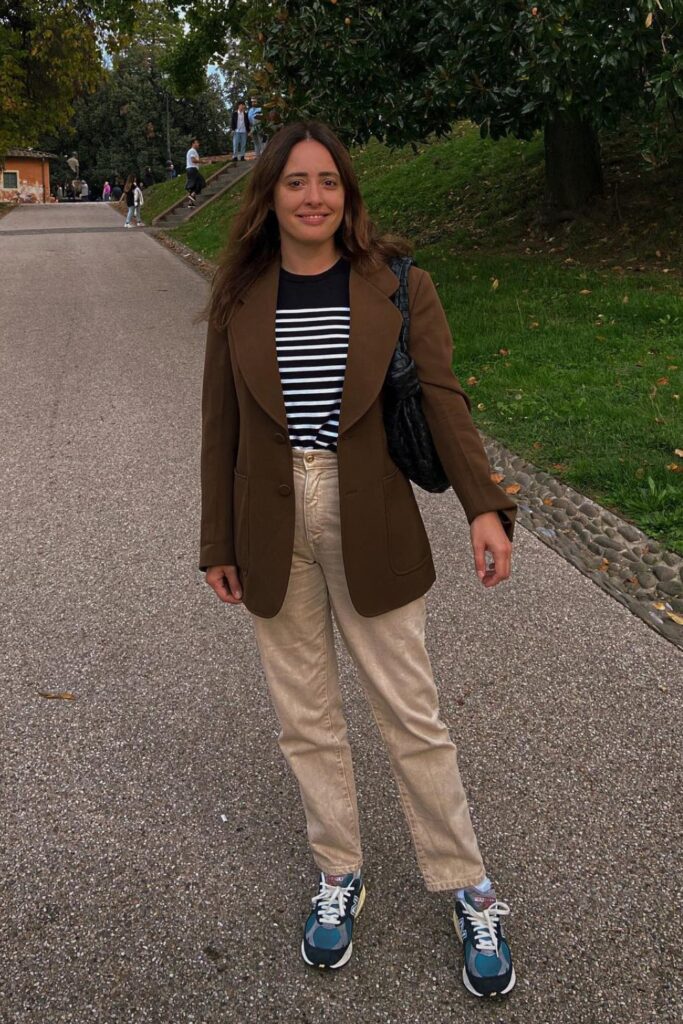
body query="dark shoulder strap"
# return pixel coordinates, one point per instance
(400, 265)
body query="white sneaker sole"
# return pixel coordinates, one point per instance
(347, 955)
(465, 979)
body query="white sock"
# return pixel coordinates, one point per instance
(482, 887)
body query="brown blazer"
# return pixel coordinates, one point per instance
(247, 476)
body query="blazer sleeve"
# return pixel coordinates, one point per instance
(447, 408)
(220, 435)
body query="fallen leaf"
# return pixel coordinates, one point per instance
(585, 291)
(659, 605)
(537, 444)
(662, 381)
(678, 619)
(561, 467)
(63, 695)
(548, 501)
(625, 299)
(497, 478)
(604, 564)
(472, 380)
(513, 488)
(649, 20)
(481, 406)
(678, 452)
(675, 467)
(533, 325)
(495, 284)
(504, 351)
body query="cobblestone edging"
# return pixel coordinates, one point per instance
(633, 568)
(617, 556)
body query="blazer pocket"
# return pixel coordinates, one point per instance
(407, 538)
(241, 519)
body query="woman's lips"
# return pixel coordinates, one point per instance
(312, 218)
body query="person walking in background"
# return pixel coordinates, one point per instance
(195, 182)
(240, 132)
(116, 191)
(148, 177)
(129, 195)
(306, 516)
(170, 170)
(254, 115)
(106, 192)
(138, 201)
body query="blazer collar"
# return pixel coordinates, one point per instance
(375, 326)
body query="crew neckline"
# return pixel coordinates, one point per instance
(334, 269)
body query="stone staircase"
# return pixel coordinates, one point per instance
(220, 182)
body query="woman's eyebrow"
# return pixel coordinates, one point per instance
(304, 174)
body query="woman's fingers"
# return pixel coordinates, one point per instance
(487, 534)
(225, 581)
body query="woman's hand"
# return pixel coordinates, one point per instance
(225, 580)
(487, 534)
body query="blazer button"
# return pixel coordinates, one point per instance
(284, 490)
(280, 438)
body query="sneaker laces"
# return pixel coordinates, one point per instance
(331, 902)
(485, 923)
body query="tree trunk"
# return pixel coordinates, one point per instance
(573, 167)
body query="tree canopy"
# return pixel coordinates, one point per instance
(51, 52)
(399, 71)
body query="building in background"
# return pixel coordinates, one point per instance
(25, 176)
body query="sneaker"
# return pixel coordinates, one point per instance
(329, 927)
(488, 969)
(127, 225)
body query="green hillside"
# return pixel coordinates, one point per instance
(568, 338)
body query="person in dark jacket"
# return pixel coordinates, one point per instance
(240, 132)
(306, 517)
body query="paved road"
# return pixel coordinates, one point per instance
(126, 896)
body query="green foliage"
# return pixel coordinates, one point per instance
(399, 71)
(122, 126)
(49, 54)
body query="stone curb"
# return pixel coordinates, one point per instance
(622, 560)
(617, 556)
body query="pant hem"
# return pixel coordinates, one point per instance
(466, 883)
(339, 871)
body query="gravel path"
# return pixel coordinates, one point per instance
(154, 865)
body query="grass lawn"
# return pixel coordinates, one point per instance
(159, 197)
(588, 314)
(579, 371)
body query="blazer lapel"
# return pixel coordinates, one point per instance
(375, 327)
(253, 332)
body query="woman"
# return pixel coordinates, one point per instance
(304, 514)
(129, 190)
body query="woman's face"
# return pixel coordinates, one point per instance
(309, 195)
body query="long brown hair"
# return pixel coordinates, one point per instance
(254, 240)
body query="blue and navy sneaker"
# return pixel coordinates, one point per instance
(488, 969)
(329, 928)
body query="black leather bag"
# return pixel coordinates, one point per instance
(410, 441)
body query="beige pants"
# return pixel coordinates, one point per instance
(297, 651)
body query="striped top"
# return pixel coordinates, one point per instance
(312, 340)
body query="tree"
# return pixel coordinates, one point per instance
(131, 120)
(50, 52)
(401, 70)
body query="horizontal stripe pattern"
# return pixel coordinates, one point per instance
(312, 346)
